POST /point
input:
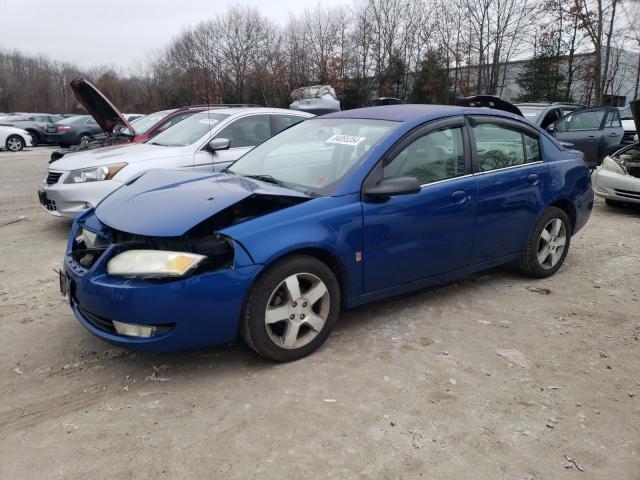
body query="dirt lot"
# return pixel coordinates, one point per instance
(407, 388)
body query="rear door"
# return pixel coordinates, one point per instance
(612, 134)
(584, 129)
(513, 184)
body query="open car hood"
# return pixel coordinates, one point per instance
(99, 106)
(169, 203)
(634, 106)
(490, 101)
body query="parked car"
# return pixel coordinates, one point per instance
(316, 99)
(14, 139)
(72, 130)
(339, 210)
(207, 141)
(629, 126)
(34, 123)
(544, 114)
(617, 180)
(597, 132)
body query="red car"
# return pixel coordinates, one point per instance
(117, 130)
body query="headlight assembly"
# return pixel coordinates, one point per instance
(94, 174)
(153, 263)
(611, 165)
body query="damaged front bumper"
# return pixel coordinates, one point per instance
(174, 314)
(620, 187)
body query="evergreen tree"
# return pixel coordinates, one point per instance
(542, 78)
(432, 83)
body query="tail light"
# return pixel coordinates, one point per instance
(64, 128)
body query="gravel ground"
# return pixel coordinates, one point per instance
(412, 387)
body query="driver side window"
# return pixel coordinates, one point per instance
(247, 131)
(437, 155)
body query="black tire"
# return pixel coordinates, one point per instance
(253, 328)
(14, 143)
(84, 138)
(529, 262)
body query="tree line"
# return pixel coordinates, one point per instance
(426, 51)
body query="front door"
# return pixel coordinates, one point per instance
(416, 236)
(584, 130)
(243, 134)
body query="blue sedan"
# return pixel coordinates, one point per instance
(334, 212)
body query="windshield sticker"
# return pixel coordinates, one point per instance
(345, 140)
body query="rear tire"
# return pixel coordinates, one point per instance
(547, 245)
(291, 309)
(14, 143)
(85, 138)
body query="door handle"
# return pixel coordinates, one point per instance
(533, 179)
(614, 134)
(459, 196)
(591, 138)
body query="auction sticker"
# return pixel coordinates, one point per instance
(345, 139)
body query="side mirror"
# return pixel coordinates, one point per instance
(390, 187)
(551, 127)
(218, 144)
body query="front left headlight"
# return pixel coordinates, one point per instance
(95, 174)
(611, 165)
(153, 263)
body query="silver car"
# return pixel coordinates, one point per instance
(617, 180)
(208, 141)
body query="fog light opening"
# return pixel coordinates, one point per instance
(133, 330)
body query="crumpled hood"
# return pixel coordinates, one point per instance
(128, 152)
(99, 106)
(169, 203)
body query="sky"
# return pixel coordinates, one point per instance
(122, 34)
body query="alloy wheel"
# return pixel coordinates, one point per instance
(551, 244)
(14, 144)
(297, 310)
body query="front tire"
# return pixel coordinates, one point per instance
(291, 309)
(14, 143)
(547, 245)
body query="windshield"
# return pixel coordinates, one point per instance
(530, 113)
(189, 130)
(314, 156)
(142, 124)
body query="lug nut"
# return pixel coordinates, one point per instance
(304, 304)
(292, 316)
(302, 316)
(294, 304)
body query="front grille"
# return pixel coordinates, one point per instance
(53, 177)
(628, 194)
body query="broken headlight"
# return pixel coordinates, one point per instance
(611, 165)
(95, 174)
(153, 263)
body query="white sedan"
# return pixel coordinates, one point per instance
(617, 180)
(209, 141)
(14, 139)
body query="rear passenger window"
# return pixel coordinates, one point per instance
(436, 156)
(614, 119)
(500, 146)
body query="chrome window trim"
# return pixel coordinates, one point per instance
(508, 168)
(446, 180)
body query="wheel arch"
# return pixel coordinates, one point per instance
(568, 207)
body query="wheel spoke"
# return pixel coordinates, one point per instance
(555, 227)
(315, 321)
(316, 292)
(561, 242)
(290, 335)
(545, 235)
(293, 287)
(553, 257)
(276, 314)
(543, 254)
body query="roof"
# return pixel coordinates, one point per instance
(414, 112)
(265, 110)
